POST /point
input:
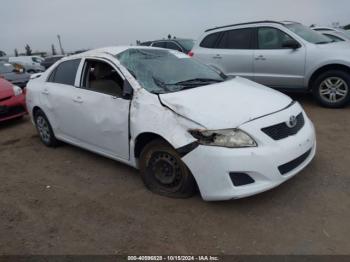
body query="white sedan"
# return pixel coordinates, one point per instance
(182, 123)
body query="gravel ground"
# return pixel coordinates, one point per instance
(70, 201)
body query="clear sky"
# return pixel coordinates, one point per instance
(96, 23)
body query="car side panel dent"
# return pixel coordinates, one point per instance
(148, 115)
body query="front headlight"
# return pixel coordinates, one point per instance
(233, 138)
(17, 90)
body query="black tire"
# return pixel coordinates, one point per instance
(164, 173)
(44, 129)
(341, 94)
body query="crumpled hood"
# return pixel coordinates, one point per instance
(226, 105)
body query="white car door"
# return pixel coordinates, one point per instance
(56, 97)
(100, 113)
(276, 65)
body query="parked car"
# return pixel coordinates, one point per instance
(178, 44)
(32, 64)
(13, 75)
(283, 55)
(336, 34)
(12, 101)
(177, 120)
(49, 61)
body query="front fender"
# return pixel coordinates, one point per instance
(148, 115)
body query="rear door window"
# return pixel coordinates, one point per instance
(65, 72)
(236, 39)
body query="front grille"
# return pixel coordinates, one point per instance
(10, 111)
(282, 130)
(286, 168)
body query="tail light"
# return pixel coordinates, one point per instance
(190, 54)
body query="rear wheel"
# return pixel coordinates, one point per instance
(163, 171)
(44, 129)
(331, 89)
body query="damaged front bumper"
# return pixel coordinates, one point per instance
(262, 168)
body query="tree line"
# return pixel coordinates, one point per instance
(28, 51)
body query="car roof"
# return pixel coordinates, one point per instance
(112, 50)
(252, 23)
(159, 40)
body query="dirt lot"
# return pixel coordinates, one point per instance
(69, 201)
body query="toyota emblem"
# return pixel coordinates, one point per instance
(292, 122)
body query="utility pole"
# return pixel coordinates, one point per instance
(60, 43)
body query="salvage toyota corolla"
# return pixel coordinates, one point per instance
(182, 123)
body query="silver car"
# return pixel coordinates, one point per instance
(31, 64)
(336, 34)
(282, 55)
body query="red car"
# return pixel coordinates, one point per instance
(12, 101)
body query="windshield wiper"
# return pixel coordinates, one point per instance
(160, 83)
(197, 81)
(324, 42)
(187, 84)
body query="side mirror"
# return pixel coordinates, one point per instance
(128, 91)
(291, 44)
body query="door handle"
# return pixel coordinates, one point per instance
(260, 57)
(78, 100)
(217, 57)
(45, 92)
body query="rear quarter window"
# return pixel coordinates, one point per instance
(65, 72)
(210, 40)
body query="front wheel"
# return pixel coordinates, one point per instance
(331, 89)
(163, 171)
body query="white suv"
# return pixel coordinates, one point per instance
(32, 64)
(283, 55)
